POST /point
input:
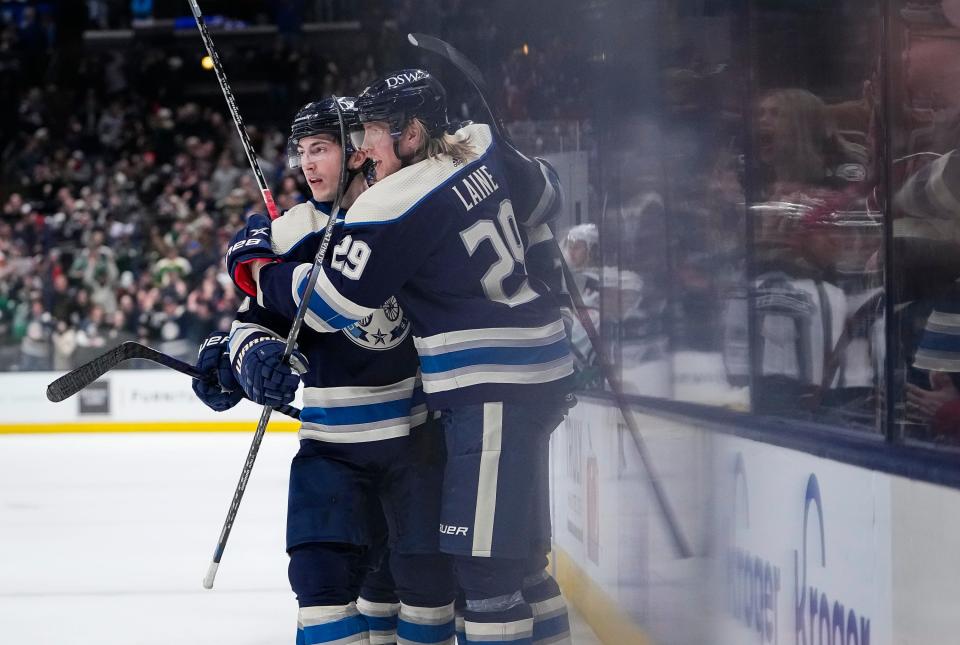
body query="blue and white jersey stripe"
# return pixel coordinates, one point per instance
(358, 414)
(446, 238)
(327, 310)
(504, 355)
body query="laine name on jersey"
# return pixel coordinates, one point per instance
(478, 185)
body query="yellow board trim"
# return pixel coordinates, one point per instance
(145, 426)
(611, 625)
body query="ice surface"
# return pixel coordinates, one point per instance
(105, 538)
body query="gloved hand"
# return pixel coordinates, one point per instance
(251, 243)
(262, 374)
(221, 392)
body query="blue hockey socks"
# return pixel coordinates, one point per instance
(503, 619)
(551, 624)
(425, 625)
(341, 624)
(381, 620)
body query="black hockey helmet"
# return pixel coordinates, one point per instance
(320, 117)
(400, 96)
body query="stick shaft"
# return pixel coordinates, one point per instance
(304, 302)
(234, 111)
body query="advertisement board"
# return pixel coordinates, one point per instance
(804, 549)
(788, 547)
(122, 399)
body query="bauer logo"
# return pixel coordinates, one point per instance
(385, 328)
(403, 79)
(95, 398)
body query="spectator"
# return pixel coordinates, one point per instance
(64, 339)
(119, 195)
(169, 267)
(35, 343)
(92, 331)
(938, 405)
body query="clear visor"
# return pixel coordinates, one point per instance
(310, 150)
(370, 136)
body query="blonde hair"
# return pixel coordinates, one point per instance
(810, 141)
(456, 146)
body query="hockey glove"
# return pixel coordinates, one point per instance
(221, 391)
(251, 243)
(265, 378)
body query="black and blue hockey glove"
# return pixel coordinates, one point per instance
(252, 242)
(265, 378)
(222, 391)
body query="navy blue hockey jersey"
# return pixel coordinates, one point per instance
(362, 384)
(442, 236)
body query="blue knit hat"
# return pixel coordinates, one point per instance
(939, 348)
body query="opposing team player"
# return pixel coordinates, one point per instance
(364, 444)
(438, 229)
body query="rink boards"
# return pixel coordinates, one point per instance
(790, 548)
(122, 401)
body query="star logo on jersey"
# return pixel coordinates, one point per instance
(386, 328)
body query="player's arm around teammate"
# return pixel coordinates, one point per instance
(439, 230)
(366, 458)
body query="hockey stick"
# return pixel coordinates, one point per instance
(315, 271)
(234, 112)
(75, 380)
(473, 74)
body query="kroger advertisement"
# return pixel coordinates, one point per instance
(789, 548)
(804, 548)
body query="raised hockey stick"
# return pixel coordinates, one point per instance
(234, 112)
(75, 380)
(315, 271)
(473, 74)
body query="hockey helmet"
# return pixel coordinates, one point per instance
(581, 246)
(400, 96)
(320, 117)
(586, 233)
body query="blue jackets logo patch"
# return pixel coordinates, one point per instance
(385, 328)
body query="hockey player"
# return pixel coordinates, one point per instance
(364, 445)
(439, 230)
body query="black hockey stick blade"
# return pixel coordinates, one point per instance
(473, 74)
(74, 381)
(451, 53)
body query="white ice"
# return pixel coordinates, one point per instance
(105, 538)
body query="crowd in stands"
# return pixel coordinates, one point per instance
(119, 192)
